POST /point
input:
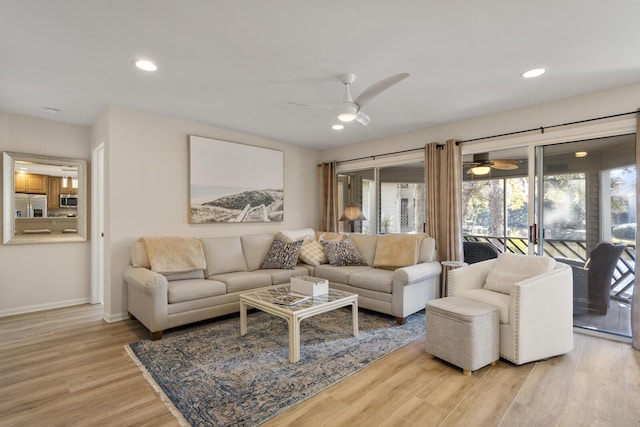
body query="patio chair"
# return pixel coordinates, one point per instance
(592, 280)
(478, 251)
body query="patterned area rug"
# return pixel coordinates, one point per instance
(214, 377)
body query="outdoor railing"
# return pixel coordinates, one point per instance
(623, 276)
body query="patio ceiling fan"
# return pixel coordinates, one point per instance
(351, 110)
(482, 165)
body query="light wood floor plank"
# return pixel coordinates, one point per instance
(67, 367)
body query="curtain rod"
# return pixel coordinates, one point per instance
(377, 155)
(541, 129)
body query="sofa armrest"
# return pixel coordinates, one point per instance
(572, 262)
(147, 297)
(472, 276)
(144, 278)
(541, 312)
(412, 273)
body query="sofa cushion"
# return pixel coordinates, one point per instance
(195, 274)
(374, 279)
(338, 274)
(255, 248)
(139, 256)
(366, 244)
(243, 280)
(496, 299)
(224, 255)
(282, 254)
(312, 253)
(397, 250)
(280, 277)
(328, 235)
(306, 234)
(191, 289)
(343, 252)
(512, 268)
(427, 249)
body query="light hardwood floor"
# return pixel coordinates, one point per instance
(67, 367)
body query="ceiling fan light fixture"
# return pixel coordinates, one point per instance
(480, 170)
(347, 117)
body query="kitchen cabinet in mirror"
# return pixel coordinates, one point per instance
(37, 191)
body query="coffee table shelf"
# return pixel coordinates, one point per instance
(263, 300)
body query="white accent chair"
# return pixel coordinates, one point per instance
(535, 298)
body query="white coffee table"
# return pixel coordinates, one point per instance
(263, 300)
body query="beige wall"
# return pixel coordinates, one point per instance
(146, 167)
(596, 104)
(148, 183)
(40, 276)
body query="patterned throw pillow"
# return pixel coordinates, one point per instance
(342, 252)
(312, 253)
(282, 255)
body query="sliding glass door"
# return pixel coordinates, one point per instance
(587, 196)
(391, 199)
(574, 196)
(495, 202)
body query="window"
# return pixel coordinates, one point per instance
(391, 198)
(495, 210)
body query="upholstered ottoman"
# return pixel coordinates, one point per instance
(463, 332)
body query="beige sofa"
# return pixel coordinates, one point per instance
(233, 265)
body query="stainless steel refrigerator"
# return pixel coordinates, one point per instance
(31, 205)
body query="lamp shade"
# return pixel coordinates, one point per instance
(352, 213)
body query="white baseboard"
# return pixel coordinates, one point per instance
(42, 307)
(111, 318)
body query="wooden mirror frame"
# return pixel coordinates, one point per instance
(9, 236)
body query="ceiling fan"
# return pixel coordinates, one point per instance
(481, 165)
(349, 109)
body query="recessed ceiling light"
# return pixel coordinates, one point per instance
(51, 110)
(534, 72)
(145, 65)
(581, 154)
(337, 127)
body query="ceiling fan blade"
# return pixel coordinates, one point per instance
(363, 118)
(324, 107)
(504, 166)
(377, 88)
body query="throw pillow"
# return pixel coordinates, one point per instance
(397, 250)
(282, 255)
(342, 252)
(513, 268)
(312, 253)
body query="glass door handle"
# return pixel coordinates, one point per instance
(533, 234)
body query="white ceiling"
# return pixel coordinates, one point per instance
(231, 64)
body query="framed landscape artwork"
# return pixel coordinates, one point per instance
(232, 182)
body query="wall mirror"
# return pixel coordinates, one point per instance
(44, 199)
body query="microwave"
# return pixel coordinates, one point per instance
(68, 200)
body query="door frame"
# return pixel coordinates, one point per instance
(97, 225)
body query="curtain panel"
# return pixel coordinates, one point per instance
(329, 215)
(443, 198)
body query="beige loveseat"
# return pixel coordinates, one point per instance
(231, 265)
